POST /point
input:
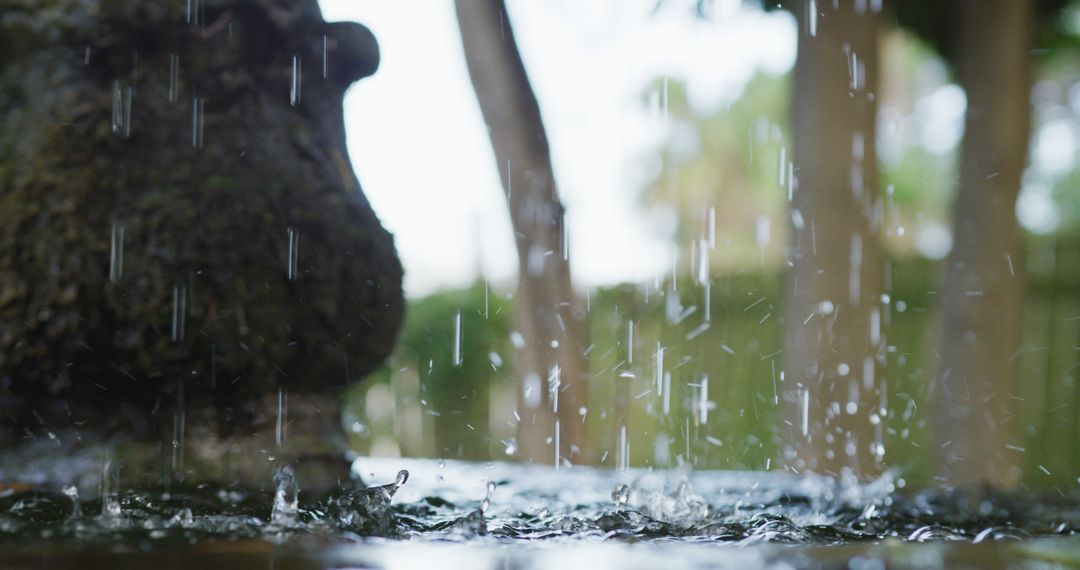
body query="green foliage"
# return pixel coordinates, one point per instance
(921, 182)
(454, 395)
(736, 348)
(430, 332)
(739, 349)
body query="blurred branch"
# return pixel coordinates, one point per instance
(551, 363)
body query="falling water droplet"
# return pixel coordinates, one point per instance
(129, 94)
(197, 111)
(116, 254)
(325, 59)
(282, 410)
(174, 77)
(703, 401)
(623, 459)
(666, 400)
(804, 396)
(179, 314)
(457, 358)
(486, 503)
(117, 107)
(703, 262)
(554, 384)
(297, 79)
(179, 421)
(486, 295)
(658, 360)
(195, 12)
(558, 443)
(294, 252)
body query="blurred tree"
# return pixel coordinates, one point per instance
(990, 45)
(982, 300)
(937, 23)
(830, 395)
(550, 358)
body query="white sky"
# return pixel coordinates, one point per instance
(421, 151)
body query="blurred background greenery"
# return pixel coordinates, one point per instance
(710, 330)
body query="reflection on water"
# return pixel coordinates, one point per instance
(420, 512)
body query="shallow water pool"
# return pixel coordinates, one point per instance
(497, 515)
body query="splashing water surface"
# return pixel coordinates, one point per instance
(495, 515)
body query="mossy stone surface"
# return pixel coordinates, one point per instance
(182, 135)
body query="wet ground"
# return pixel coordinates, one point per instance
(495, 515)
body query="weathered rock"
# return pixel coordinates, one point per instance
(181, 236)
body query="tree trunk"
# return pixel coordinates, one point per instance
(831, 388)
(550, 320)
(982, 300)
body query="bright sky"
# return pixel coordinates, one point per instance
(421, 151)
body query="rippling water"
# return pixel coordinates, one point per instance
(496, 515)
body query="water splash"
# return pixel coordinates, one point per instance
(578, 506)
(367, 512)
(112, 515)
(72, 492)
(620, 495)
(486, 503)
(286, 498)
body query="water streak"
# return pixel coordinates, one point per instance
(297, 80)
(294, 253)
(116, 252)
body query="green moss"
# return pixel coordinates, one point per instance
(205, 229)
